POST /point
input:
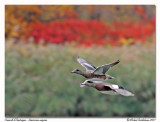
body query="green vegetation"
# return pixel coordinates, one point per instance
(38, 81)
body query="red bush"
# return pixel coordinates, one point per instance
(90, 32)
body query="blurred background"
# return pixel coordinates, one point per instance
(43, 42)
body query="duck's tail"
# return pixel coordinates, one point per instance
(109, 77)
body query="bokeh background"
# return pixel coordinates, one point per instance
(42, 43)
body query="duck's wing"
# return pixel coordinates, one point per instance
(124, 92)
(118, 89)
(109, 89)
(86, 64)
(96, 80)
(101, 70)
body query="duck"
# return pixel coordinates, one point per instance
(92, 72)
(107, 88)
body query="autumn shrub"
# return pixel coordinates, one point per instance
(92, 32)
(84, 25)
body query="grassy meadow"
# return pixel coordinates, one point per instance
(38, 82)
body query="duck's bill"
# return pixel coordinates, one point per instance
(82, 85)
(73, 71)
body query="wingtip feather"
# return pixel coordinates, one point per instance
(117, 61)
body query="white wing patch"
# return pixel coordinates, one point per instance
(115, 86)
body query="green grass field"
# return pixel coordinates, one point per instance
(38, 82)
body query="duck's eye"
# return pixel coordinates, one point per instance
(77, 70)
(90, 81)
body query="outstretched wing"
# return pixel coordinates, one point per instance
(101, 70)
(108, 89)
(118, 89)
(86, 64)
(124, 92)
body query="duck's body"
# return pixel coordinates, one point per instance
(92, 72)
(107, 88)
(92, 76)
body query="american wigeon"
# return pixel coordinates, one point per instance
(92, 72)
(107, 88)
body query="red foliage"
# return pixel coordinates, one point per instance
(90, 32)
(141, 11)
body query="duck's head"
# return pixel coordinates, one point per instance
(77, 71)
(88, 83)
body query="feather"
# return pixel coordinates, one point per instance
(101, 70)
(86, 64)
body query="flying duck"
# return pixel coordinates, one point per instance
(92, 72)
(107, 88)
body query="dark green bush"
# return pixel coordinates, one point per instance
(38, 82)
